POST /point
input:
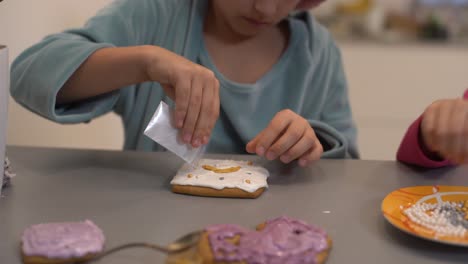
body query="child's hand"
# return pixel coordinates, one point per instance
(444, 129)
(288, 137)
(194, 89)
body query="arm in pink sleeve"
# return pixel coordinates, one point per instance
(411, 149)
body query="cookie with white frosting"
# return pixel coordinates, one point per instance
(221, 178)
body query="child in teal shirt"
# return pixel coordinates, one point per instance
(243, 76)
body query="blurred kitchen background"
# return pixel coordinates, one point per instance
(390, 21)
(399, 56)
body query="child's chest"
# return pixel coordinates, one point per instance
(247, 62)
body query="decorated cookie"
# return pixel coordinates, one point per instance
(221, 178)
(60, 243)
(278, 241)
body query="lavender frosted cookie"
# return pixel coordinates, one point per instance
(61, 243)
(281, 240)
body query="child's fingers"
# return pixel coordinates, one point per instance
(442, 137)
(464, 135)
(196, 93)
(312, 155)
(290, 137)
(459, 159)
(205, 118)
(460, 120)
(464, 157)
(429, 128)
(274, 130)
(182, 97)
(456, 127)
(252, 145)
(306, 143)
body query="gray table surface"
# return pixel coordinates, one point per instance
(127, 194)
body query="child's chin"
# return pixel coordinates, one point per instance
(251, 31)
(308, 4)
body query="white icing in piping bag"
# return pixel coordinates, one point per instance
(162, 130)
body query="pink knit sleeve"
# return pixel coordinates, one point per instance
(411, 150)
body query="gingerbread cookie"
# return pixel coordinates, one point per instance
(277, 241)
(61, 243)
(221, 178)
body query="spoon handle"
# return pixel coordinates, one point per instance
(130, 245)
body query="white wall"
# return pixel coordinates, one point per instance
(23, 23)
(389, 84)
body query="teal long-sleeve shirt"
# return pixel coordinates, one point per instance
(308, 78)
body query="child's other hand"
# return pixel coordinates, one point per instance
(288, 137)
(194, 89)
(444, 129)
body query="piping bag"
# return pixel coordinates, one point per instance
(161, 129)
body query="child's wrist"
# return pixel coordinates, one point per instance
(149, 59)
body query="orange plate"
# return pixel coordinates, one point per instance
(393, 204)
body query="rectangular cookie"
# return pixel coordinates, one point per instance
(221, 178)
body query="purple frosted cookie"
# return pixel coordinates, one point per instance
(60, 243)
(277, 241)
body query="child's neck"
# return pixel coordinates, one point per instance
(218, 28)
(244, 59)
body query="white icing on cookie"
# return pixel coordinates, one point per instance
(249, 178)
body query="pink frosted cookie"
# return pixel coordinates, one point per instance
(281, 240)
(60, 243)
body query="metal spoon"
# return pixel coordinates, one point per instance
(179, 245)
